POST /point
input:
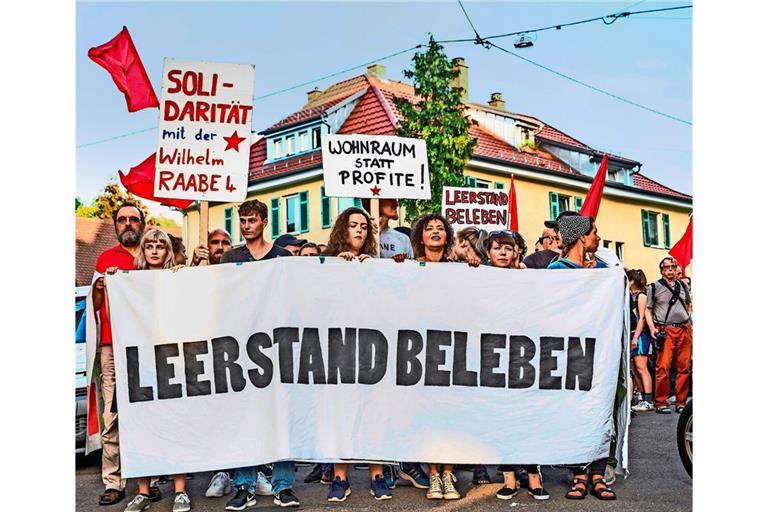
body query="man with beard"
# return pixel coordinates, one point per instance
(219, 242)
(129, 226)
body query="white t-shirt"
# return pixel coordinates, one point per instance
(394, 242)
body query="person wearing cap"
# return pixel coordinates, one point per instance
(549, 251)
(290, 243)
(579, 237)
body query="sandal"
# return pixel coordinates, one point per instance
(111, 496)
(604, 493)
(579, 485)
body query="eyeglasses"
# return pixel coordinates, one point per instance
(132, 220)
(669, 267)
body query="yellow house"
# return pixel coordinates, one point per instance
(639, 218)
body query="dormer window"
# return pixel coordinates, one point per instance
(289, 145)
(302, 142)
(277, 148)
(315, 137)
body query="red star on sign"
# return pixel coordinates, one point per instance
(233, 141)
(376, 190)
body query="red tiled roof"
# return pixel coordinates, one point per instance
(646, 183)
(92, 237)
(305, 115)
(369, 117)
(344, 88)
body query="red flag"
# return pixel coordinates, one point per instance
(595, 195)
(120, 58)
(683, 249)
(512, 204)
(140, 181)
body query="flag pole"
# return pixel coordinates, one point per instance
(375, 219)
(203, 234)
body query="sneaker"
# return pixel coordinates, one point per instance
(286, 498)
(315, 475)
(664, 410)
(181, 503)
(671, 399)
(220, 485)
(643, 406)
(414, 474)
(137, 504)
(154, 493)
(610, 475)
(390, 475)
(480, 475)
(449, 491)
(243, 499)
(637, 398)
(339, 490)
(506, 493)
(539, 494)
(380, 490)
(263, 487)
(327, 478)
(435, 491)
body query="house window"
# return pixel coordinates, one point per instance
(470, 181)
(343, 203)
(292, 214)
(558, 203)
(620, 250)
(315, 137)
(655, 224)
(498, 185)
(289, 145)
(325, 209)
(482, 184)
(302, 141)
(614, 175)
(228, 221)
(607, 244)
(277, 148)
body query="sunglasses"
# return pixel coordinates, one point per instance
(131, 219)
(501, 233)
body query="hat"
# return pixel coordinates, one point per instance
(284, 240)
(572, 227)
(553, 224)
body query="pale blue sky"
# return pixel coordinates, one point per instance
(645, 60)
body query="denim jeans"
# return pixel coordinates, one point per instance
(282, 476)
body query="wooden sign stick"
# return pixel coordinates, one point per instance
(375, 219)
(203, 235)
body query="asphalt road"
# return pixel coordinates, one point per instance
(657, 482)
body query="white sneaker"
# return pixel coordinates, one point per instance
(220, 485)
(263, 487)
(181, 503)
(435, 491)
(449, 491)
(137, 504)
(643, 407)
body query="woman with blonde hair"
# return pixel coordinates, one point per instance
(470, 246)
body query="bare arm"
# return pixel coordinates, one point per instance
(641, 301)
(649, 320)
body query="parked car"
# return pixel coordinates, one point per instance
(685, 437)
(81, 384)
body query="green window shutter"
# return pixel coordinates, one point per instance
(470, 181)
(228, 220)
(303, 212)
(325, 209)
(578, 201)
(275, 216)
(358, 202)
(646, 227)
(665, 221)
(554, 207)
(498, 184)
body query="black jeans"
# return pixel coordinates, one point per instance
(529, 468)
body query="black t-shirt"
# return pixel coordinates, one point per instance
(540, 259)
(241, 254)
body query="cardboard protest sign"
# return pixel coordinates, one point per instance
(483, 208)
(372, 166)
(205, 131)
(529, 378)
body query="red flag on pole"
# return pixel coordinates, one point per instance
(512, 204)
(120, 58)
(595, 195)
(140, 181)
(683, 249)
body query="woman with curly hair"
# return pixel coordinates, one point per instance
(506, 249)
(432, 238)
(351, 236)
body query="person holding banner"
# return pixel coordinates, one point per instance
(219, 242)
(579, 236)
(432, 238)
(470, 246)
(253, 219)
(506, 249)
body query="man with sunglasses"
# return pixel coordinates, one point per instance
(668, 316)
(129, 226)
(549, 241)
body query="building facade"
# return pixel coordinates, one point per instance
(639, 218)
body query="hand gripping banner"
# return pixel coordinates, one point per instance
(328, 360)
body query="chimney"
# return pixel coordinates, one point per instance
(497, 101)
(377, 70)
(463, 79)
(314, 93)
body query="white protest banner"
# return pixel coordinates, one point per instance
(205, 131)
(483, 208)
(375, 166)
(296, 359)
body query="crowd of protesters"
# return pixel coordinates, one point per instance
(660, 331)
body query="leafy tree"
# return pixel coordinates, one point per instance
(78, 203)
(438, 118)
(110, 198)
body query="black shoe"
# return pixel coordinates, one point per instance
(539, 494)
(111, 496)
(664, 410)
(155, 494)
(480, 475)
(266, 469)
(315, 475)
(506, 493)
(242, 499)
(286, 498)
